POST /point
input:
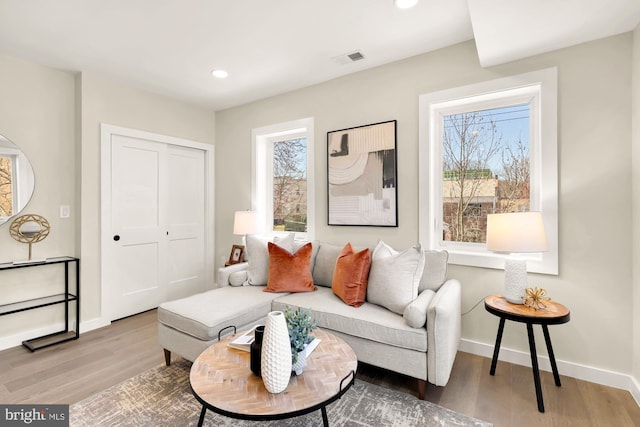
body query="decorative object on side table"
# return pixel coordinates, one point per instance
(256, 350)
(30, 228)
(236, 255)
(516, 233)
(300, 325)
(275, 363)
(536, 298)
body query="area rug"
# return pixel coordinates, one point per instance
(162, 397)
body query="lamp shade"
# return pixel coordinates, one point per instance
(245, 222)
(517, 232)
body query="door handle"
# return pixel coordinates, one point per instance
(116, 237)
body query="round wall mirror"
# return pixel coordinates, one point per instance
(16, 180)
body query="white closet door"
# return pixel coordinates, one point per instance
(135, 267)
(185, 214)
(154, 236)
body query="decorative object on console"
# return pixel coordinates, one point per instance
(515, 233)
(536, 298)
(299, 325)
(362, 175)
(29, 229)
(244, 222)
(256, 350)
(275, 363)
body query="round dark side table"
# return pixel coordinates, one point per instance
(553, 314)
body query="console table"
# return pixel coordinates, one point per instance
(65, 298)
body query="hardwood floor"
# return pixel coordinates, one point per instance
(72, 371)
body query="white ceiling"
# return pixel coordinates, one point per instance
(271, 47)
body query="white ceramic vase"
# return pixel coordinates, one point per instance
(276, 353)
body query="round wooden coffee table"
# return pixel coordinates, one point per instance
(222, 381)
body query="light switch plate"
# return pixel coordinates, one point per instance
(65, 211)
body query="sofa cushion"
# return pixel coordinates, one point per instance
(258, 256)
(325, 264)
(415, 314)
(204, 315)
(289, 272)
(394, 276)
(351, 274)
(435, 270)
(368, 321)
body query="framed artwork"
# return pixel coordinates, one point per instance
(362, 175)
(237, 254)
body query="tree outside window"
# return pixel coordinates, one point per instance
(290, 185)
(485, 157)
(6, 186)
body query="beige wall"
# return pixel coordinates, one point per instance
(55, 116)
(106, 101)
(595, 181)
(36, 113)
(636, 202)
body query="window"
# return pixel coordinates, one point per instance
(488, 148)
(283, 177)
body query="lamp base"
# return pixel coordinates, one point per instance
(515, 280)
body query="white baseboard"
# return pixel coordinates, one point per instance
(16, 339)
(574, 370)
(90, 325)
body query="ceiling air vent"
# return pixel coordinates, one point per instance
(348, 58)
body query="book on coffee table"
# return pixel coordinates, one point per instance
(243, 342)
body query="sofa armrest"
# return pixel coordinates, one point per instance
(225, 272)
(444, 329)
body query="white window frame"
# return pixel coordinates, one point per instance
(263, 139)
(539, 90)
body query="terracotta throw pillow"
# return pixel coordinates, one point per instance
(289, 272)
(350, 275)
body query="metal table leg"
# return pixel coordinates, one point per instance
(202, 414)
(496, 348)
(325, 419)
(552, 357)
(534, 366)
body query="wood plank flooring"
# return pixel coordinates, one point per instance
(72, 371)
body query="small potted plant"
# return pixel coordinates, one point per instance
(300, 325)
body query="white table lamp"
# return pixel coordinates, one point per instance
(245, 222)
(516, 233)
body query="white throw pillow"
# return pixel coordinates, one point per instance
(415, 314)
(258, 256)
(435, 270)
(395, 276)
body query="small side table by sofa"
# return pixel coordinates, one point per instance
(554, 314)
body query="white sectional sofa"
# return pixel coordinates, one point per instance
(420, 341)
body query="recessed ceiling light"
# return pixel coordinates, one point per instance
(405, 4)
(221, 74)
